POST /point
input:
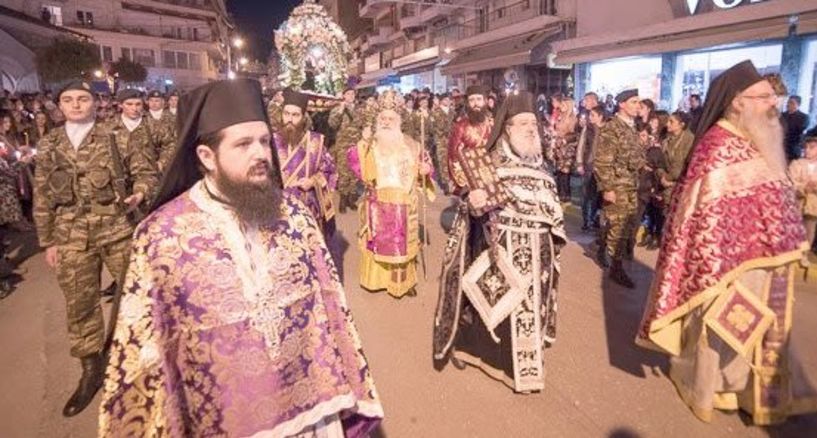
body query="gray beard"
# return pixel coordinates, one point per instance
(528, 150)
(766, 133)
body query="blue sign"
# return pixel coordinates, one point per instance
(389, 80)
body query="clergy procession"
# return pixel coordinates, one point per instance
(324, 259)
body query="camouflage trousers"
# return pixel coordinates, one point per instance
(621, 223)
(442, 166)
(78, 274)
(347, 181)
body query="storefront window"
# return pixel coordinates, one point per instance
(612, 77)
(808, 81)
(694, 71)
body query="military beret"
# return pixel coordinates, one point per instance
(173, 93)
(75, 85)
(155, 93)
(128, 93)
(626, 95)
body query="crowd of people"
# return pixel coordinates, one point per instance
(214, 212)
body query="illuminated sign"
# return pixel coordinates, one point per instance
(692, 5)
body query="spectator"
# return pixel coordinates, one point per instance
(695, 110)
(794, 123)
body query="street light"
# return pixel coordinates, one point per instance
(238, 42)
(98, 74)
(243, 60)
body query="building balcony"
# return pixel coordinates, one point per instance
(374, 8)
(412, 23)
(438, 11)
(501, 23)
(376, 41)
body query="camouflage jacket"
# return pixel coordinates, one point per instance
(441, 124)
(420, 125)
(74, 196)
(274, 113)
(345, 122)
(163, 135)
(618, 156)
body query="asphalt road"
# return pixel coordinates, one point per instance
(598, 384)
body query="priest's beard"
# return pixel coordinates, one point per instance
(255, 203)
(766, 133)
(528, 147)
(388, 136)
(476, 115)
(293, 133)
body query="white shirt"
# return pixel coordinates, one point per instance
(172, 110)
(131, 124)
(77, 132)
(156, 114)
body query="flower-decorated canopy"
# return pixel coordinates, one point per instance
(313, 50)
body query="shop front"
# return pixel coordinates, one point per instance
(673, 48)
(515, 63)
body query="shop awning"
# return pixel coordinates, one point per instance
(18, 70)
(369, 79)
(753, 23)
(505, 53)
(417, 62)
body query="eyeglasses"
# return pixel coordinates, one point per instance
(765, 96)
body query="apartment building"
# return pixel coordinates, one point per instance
(672, 49)
(180, 42)
(345, 14)
(441, 44)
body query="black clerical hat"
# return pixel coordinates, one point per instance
(203, 112)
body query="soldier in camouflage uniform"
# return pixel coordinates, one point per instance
(344, 119)
(154, 139)
(617, 162)
(442, 119)
(82, 221)
(161, 126)
(276, 105)
(173, 104)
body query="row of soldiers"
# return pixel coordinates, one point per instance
(92, 177)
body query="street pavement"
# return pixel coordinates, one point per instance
(598, 384)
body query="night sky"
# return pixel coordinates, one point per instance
(257, 19)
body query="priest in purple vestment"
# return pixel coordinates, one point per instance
(307, 168)
(232, 320)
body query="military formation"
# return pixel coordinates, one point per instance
(92, 178)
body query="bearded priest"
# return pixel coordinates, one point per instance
(721, 301)
(396, 171)
(498, 292)
(233, 321)
(307, 168)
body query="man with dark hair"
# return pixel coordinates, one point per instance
(794, 123)
(618, 158)
(695, 110)
(307, 168)
(471, 130)
(233, 321)
(82, 221)
(720, 303)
